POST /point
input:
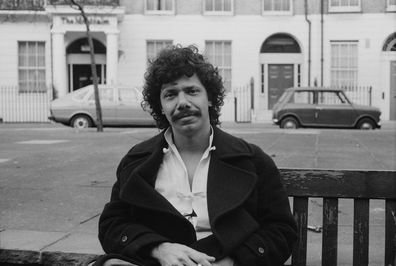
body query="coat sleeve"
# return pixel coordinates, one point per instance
(119, 231)
(272, 243)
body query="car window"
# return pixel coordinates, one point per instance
(128, 95)
(302, 97)
(330, 98)
(105, 95)
(80, 94)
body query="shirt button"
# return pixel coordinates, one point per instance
(261, 250)
(124, 239)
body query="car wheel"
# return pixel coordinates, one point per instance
(81, 121)
(366, 124)
(289, 123)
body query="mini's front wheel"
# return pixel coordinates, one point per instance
(365, 124)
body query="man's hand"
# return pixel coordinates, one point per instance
(172, 254)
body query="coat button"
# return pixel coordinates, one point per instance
(124, 239)
(261, 250)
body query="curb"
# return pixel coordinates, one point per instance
(48, 248)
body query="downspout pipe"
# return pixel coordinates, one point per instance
(309, 41)
(321, 43)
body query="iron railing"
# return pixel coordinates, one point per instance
(86, 2)
(21, 106)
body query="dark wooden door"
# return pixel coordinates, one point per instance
(280, 77)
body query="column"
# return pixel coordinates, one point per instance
(59, 72)
(111, 57)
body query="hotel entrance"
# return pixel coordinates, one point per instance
(79, 63)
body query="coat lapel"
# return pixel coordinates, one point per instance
(228, 188)
(139, 187)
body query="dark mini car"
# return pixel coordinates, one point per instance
(322, 107)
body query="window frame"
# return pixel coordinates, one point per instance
(273, 12)
(156, 50)
(390, 7)
(344, 69)
(159, 12)
(223, 67)
(218, 13)
(343, 9)
(28, 68)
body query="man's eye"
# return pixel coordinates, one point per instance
(193, 91)
(169, 94)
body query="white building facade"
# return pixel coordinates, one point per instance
(274, 43)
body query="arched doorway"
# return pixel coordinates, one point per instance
(389, 50)
(79, 63)
(280, 61)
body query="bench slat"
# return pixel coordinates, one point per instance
(330, 232)
(360, 232)
(340, 183)
(390, 232)
(300, 211)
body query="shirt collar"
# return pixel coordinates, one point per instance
(171, 145)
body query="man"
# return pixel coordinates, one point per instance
(193, 194)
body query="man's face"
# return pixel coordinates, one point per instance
(186, 106)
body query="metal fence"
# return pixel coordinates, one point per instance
(243, 100)
(359, 94)
(17, 106)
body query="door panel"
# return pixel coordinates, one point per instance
(108, 104)
(82, 75)
(280, 77)
(333, 110)
(129, 110)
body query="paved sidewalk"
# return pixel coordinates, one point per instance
(50, 204)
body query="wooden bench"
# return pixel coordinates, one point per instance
(332, 185)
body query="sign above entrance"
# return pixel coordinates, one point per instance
(80, 20)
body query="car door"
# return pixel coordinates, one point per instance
(301, 105)
(333, 109)
(129, 110)
(107, 103)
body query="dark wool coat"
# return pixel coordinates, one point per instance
(248, 208)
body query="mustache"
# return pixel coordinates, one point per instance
(185, 113)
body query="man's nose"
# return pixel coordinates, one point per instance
(183, 101)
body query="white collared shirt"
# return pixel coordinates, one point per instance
(172, 183)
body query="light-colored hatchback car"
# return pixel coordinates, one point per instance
(121, 106)
(322, 107)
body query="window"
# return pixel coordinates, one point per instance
(160, 7)
(219, 54)
(344, 64)
(128, 95)
(302, 97)
(277, 6)
(31, 66)
(154, 47)
(391, 5)
(106, 95)
(344, 6)
(390, 43)
(218, 7)
(330, 98)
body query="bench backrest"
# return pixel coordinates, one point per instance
(331, 185)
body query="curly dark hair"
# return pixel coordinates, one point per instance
(173, 63)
